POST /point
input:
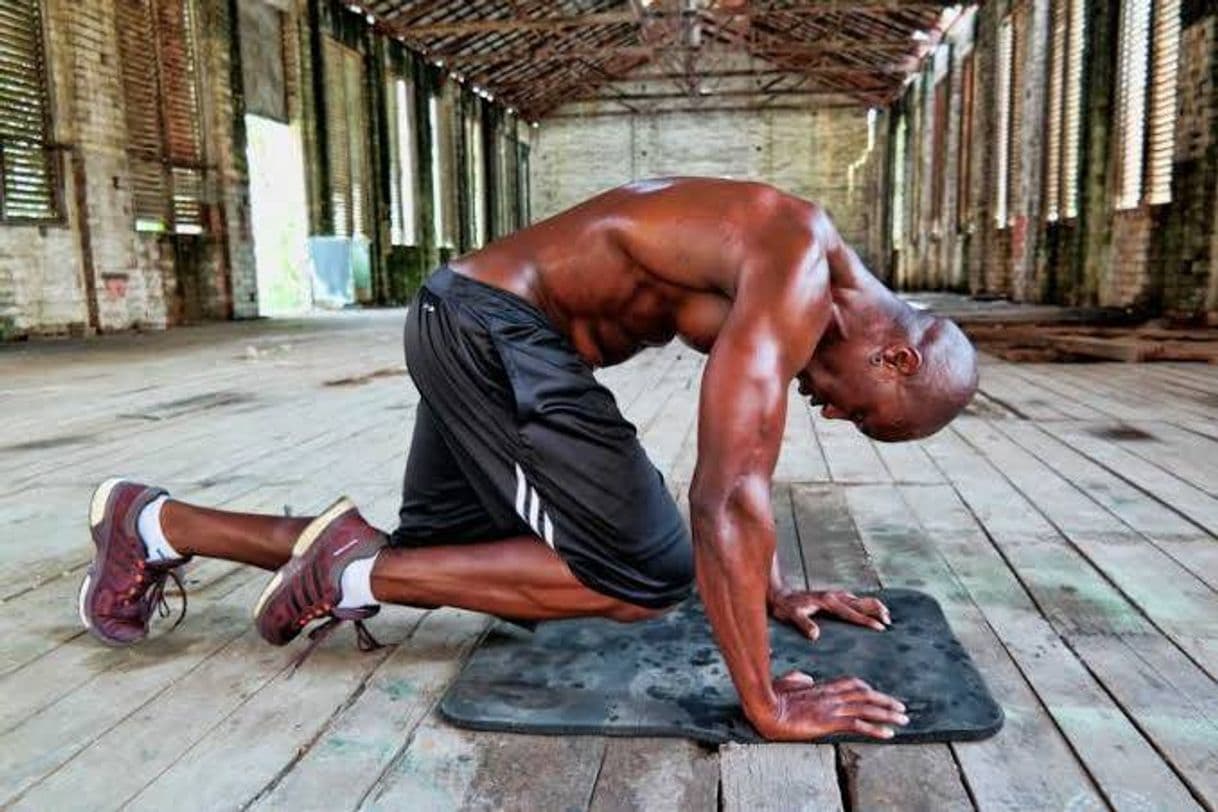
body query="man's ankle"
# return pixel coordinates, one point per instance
(152, 533)
(356, 585)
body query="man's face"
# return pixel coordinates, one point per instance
(851, 381)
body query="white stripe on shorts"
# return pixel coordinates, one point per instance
(528, 508)
(521, 489)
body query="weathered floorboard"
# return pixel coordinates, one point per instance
(1076, 560)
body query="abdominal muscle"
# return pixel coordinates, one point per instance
(649, 313)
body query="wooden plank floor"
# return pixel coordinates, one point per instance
(1066, 523)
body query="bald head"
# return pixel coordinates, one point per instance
(947, 377)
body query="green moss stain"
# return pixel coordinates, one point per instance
(400, 689)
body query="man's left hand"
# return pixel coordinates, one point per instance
(796, 607)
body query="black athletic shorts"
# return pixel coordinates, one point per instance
(513, 436)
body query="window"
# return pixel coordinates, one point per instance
(503, 196)
(1072, 127)
(1132, 74)
(1053, 140)
(1165, 61)
(524, 193)
(161, 98)
(402, 163)
(346, 145)
(1148, 57)
(1019, 57)
(29, 181)
(475, 176)
(1002, 151)
(511, 183)
(1064, 114)
(898, 184)
(939, 156)
(437, 174)
(443, 164)
(964, 155)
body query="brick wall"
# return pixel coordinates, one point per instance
(805, 152)
(92, 270)
(1153, 258)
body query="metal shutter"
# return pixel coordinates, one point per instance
(348, 154)
(28, 180)
(141, 94)
(338, 140)
(964, 155)
(357, 118)
(1020, 49)
(161, 96)
(1002, 152)
(1132, 75)
(1059, 26)
(1073, 104)
(177, 30)
(1166, 63)
(938, 172)
(399, 110)
(395, 160)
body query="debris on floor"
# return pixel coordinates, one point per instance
(1034, 333)
(1046, 343)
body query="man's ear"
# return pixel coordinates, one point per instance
(903, 358)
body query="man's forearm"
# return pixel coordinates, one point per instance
(733, 559)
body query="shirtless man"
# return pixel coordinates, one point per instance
(528, 496)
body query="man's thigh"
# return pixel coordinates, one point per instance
(440, 504)
(542, 446)
(585, 484)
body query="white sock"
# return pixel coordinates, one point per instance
(148, 524)
(356, 584)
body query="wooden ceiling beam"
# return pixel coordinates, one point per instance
(519, 23)
(716, 94)
(844, 103)
(553, 54)
(793, 73)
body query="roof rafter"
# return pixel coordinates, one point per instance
(537, 55)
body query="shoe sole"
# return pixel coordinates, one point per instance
(98, 505)
(307, 538)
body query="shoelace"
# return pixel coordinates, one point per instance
(154, 596)
(364, 640)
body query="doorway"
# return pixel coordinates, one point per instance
(279, 213)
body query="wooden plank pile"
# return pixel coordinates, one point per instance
(1040, 342)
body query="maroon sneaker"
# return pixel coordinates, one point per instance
(121, 588)
(309, 586)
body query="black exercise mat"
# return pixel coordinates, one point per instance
(665, 677)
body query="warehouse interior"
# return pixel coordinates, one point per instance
(214, 214)
(265, 157)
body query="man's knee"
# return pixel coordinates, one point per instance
(625, 612)
(631, 613)
(662, 582)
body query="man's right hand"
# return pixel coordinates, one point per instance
(806, 710)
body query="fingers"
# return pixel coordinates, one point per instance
(875, 608)
(868, 729)
(873, 697)
(873, 713)
(806, 625)
(843, 609)
(844, 684)
(853, 690)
